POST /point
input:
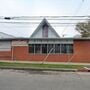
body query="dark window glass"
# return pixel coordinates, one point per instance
(45, 30)
(63, 48)
(51, 48)
(57, 48)
(70, 48)
(37, 48)
(44, 48)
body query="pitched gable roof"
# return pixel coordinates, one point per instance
(4, 35)
(44, 21)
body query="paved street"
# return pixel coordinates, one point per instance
(21, 80)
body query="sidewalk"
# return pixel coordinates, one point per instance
(39, 62)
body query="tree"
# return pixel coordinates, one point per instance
(84, 28)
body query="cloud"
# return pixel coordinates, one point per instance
(32, 8)
(13, 8)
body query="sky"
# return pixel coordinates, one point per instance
(41, 8)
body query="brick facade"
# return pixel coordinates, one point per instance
(5, 55)
(81, 51)
(81, 54)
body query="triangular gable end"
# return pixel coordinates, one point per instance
(44, 30)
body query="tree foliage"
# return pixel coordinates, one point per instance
(84, 28)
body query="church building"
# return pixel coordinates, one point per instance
(45, 45)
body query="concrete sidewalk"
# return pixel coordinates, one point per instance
(39, 62)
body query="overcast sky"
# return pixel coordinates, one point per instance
(40, 8)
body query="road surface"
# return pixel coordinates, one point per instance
(22, 80)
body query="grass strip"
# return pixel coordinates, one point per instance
(36, 65)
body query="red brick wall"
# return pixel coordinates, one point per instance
(21, 53)
(81, 51)
(50, 58)
(5, 55)
(81, 54)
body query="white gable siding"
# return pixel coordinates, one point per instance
(5, 46)
(38, 34)
(51, 34)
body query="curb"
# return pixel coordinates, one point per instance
(41, 69)
(47, 69)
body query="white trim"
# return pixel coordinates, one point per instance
(51, 41)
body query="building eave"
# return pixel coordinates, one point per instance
(12, 39)
(76, 39)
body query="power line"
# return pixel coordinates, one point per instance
(77, 10)
(33, 23)
(55, 19)
(35, 17)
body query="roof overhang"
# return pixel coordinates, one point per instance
(76, 39)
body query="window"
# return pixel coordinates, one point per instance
(70, 48)
(44, 48)
(38, 48)
(45, 30)
(57, 48)
(51, 48)
(67, 48)
(63, 48)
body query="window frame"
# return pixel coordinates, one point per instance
(68, 49)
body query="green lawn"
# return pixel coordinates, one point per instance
(41, 66)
